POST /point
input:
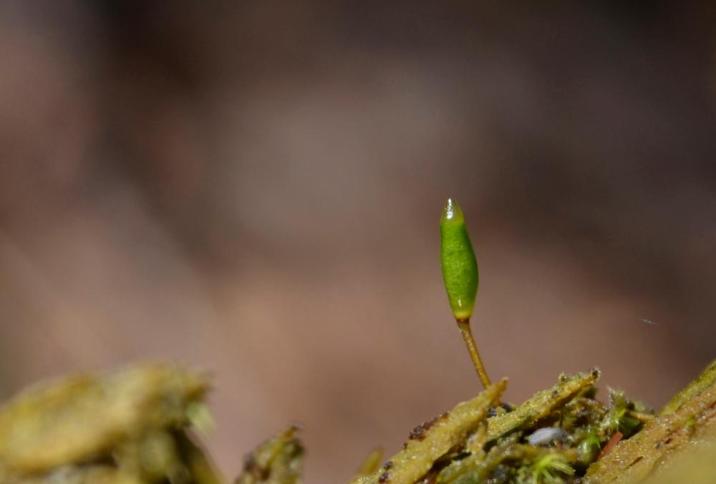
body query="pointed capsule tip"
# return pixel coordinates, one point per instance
(452, 211)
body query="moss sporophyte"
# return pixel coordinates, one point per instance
(461, 277)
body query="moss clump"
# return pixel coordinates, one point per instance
(277, 461)
(130, 426)
(552, 437)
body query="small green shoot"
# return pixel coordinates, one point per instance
(551, 468)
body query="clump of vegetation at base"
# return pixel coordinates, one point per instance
(552, 437)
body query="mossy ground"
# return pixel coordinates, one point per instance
(138, 425)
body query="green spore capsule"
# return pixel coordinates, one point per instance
(461, 277)
(458, 261)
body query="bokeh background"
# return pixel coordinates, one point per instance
(254, 187)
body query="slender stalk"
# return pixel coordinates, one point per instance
(464, 326)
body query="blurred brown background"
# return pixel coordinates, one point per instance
(254, 188)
